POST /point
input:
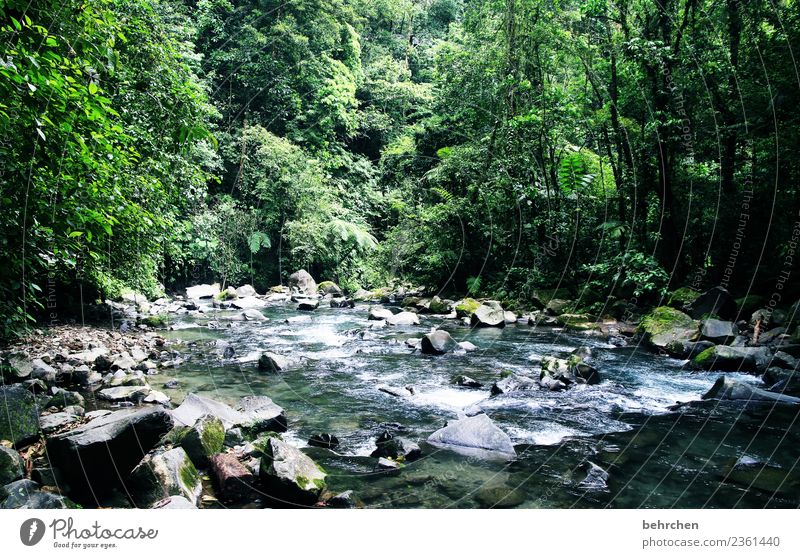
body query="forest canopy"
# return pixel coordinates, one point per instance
(619, 149)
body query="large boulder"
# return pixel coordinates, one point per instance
(202, 291)
(732, 359)
(330, 288)
(379, 313)
(204, 439)
(558, 306)
(718, 331)
(730, 389)
(10, 465)
(289, 476)
(245, 291)
(308, 304)
(19, 417)
(489, 314)
(437, 343)
(665, 325)
(474, 433)
(255, 413)
(162, 474)
(466, 308)
(716, 301)
(98, 456)
(303, 282)
(439, 306)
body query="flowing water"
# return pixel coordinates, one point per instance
(654, 457)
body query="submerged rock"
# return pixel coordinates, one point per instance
(596, 478)
(289, 476)
(474, 433)
(162, 474)
(489, 314)
(466, 381)
(513, 382)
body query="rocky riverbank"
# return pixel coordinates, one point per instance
(88, 426)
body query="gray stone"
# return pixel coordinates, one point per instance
(474, 433)
(97, 457)
(202, 291)
(289, 476)
(25, 495)
(379, 313)
(437, 342)
(162, 474)
(718, 331)
(272, 362)
(403, 318)
(10, 465)
(489, 314)
(124, 393)
(396, 447)
(19, 419)
(55, 421)
(730, 389)
(513, 382)
(303, 282)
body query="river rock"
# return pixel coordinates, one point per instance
(466, 381)
(308, 304)
(40, 370)
(232, 479)
(174, 503)
(730, 389)
(718, 331)
(569, 371)
(124, 393)
(474, 433)
(716, 301)
(665, 325)
(202, 291)
(557, 306)
(303, 282)
(272, 362)
(19, 416)
(203, 439)
(253, 315)
(55, 421)
(15, 369)
(261, 414)
(341, 302)
(330, 288)
(343, 500)
(245, 291)
(489, 314)
(107, 448)
(379, 313)
(10, 465)
(596, 478)
(467, 346)
(687, 349)
(403, 318)
(396, 447)
(513, 382)
(437, 342)
(255, 413)
(741, 359)
(162, 474)
(324, 440)
(290, 476)
(25, 495)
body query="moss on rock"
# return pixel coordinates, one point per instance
(466, 307)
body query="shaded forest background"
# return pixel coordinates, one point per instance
(619, 149)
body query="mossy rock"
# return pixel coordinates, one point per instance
(466, 307)
(704, 359)
(750, 303)
(664, 325)
(204, 439)
(682, 297)
(156, 321)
